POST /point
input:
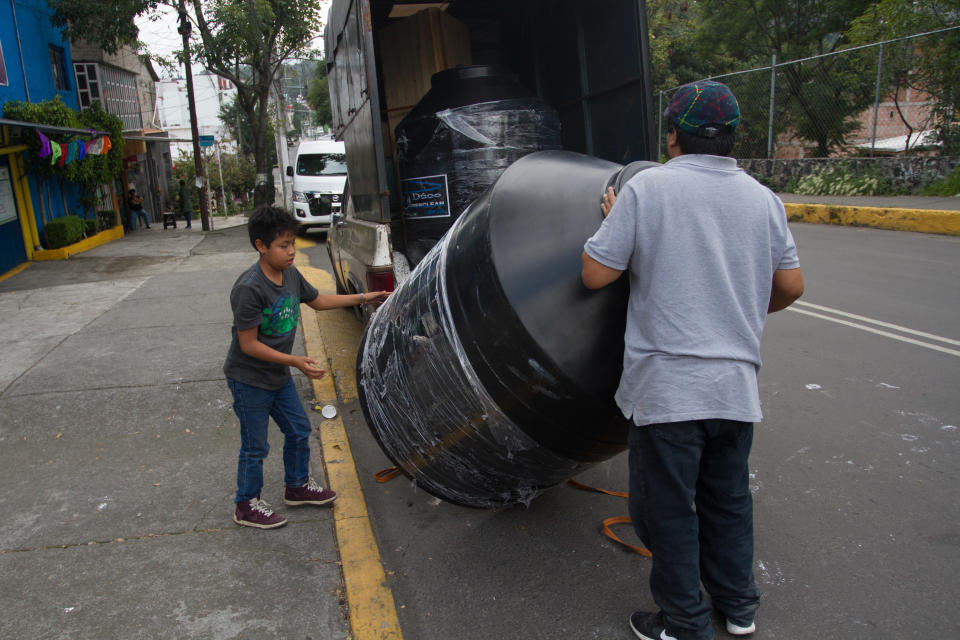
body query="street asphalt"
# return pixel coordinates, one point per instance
(119, 449)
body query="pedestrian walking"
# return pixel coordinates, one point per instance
(266, 311)
(186, 202)
(135, 205)
(709, 255)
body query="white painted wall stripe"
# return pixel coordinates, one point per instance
(880, 332)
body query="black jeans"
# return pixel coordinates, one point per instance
(691, 506)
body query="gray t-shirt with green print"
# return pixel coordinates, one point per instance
(275, 310)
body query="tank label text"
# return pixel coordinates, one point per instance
(426, 197)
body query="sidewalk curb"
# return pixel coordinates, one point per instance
(373, 614)
(895, 219)
(105, 236)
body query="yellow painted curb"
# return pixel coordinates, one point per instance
(17, 269)
(105, 236)
(373, 613)
(920, 220)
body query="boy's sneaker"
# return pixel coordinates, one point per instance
(735, 629)
(309, 493)
(649, 626)
(257, 513)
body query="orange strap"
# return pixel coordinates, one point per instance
(386, 475)
(607, 531)
(605, 525)
(586, 487)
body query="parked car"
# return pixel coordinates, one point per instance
(319, 176)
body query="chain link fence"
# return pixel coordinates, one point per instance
(853, 102)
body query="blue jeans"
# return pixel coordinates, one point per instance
(142, 217)
(703, 464)
(254, 407)
(186, 216)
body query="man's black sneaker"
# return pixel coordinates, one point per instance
(649, 626)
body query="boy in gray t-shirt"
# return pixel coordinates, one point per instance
(266, 311)
(709, 255)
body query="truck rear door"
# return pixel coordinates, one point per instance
(592, 64)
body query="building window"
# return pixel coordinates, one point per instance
(115, 89)
(88, 83)
(56, 68)
(3, 68)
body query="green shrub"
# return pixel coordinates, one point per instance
(90, 228)
(948, 186)
(837, 182)
(63, 231)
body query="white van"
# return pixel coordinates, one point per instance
(319, 176)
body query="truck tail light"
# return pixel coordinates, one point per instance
(380, 281)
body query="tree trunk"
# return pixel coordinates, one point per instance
(256, 113)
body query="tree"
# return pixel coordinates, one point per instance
(926, 64)
(239, 175)
(109, 24)
(671, 26)
(821, 97)
(241, 129)
(244, 41)
(318, 97)
(247, 42)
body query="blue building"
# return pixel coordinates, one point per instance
(35, 65)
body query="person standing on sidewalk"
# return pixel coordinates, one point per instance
(186, 201)
(266, 311)
(709, 255)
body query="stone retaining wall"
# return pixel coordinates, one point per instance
(903, 172)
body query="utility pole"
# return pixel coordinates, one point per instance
(283, 156)
(184, 30)
(223, 193)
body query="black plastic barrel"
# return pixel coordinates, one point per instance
(473, 123)
(489, 374)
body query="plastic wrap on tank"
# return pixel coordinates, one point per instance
(489, 373)
(475, 143)
(447, 159)
(444, 430)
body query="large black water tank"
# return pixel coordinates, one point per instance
(473, 123)
(489, 374)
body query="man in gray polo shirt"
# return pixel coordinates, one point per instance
(709, 255)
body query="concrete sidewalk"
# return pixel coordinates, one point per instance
(119, 449)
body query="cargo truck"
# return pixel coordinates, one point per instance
(587, 59)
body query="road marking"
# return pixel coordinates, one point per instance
(896, 327)
(887, 334)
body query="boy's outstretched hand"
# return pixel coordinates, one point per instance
(310, 367)
(375, 297)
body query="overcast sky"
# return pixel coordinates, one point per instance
(162, 39)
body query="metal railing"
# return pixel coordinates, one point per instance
(848, 102)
